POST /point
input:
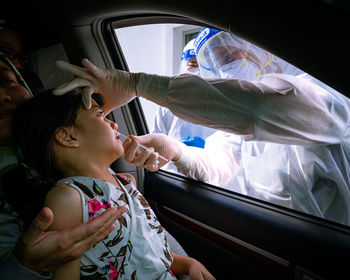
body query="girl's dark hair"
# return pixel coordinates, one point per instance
(34, 126)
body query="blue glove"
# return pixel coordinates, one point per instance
(194, 141)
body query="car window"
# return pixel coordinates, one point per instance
(161, 51)
(309, 179)
(163, 46)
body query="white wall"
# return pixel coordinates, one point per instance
(154, 49)
(148, 48)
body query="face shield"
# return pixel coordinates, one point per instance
(223, 55)
(188, 62)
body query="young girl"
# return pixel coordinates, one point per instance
(61, 139)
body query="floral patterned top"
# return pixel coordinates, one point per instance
(137, 248)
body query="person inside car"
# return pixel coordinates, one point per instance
(11, 46)
(294, 131)
(32, 254)
(66, 142)
(75, 242)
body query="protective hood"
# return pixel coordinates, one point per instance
(214, 49)
(188, 60)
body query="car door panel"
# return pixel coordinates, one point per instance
(278, 241)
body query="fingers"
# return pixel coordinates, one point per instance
(60, 90)
(97, 72)
(88, 234)
(39, 225)
(73, 84)
(103, 222)
(207, 275)
(76, 70)
(130, 149)
(204, 273)
(87, 92)
(143, 157)
(144, 139)
(137, 155)
(152, 163)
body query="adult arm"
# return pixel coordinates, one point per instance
(216, 164)
(275, 108)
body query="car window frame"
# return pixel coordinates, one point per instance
(140, 120)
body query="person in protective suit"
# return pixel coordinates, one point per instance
(167, 123)
(293, 131)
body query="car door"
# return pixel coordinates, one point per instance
(235, 236)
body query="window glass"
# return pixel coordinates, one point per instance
(299, 167)
(161, 51)
(189, 37)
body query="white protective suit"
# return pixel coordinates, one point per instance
(167, 123)
(294, 143)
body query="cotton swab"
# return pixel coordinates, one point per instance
(145, 148)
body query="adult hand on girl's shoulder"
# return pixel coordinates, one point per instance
(43, 251)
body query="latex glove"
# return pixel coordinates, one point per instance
(116, 86)
(42, 251)
(159, 144)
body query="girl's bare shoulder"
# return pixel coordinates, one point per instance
(66, 204)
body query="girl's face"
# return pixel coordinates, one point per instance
(98, 134)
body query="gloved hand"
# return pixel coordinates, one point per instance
(116, 86)
(159, 144)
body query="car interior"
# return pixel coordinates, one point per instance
(233, 235)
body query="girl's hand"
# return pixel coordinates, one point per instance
(184, 265)
(197, 271)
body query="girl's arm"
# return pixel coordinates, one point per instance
(65, 203)
(182, 264)
(188, 266)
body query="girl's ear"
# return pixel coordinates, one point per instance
(66, 137)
